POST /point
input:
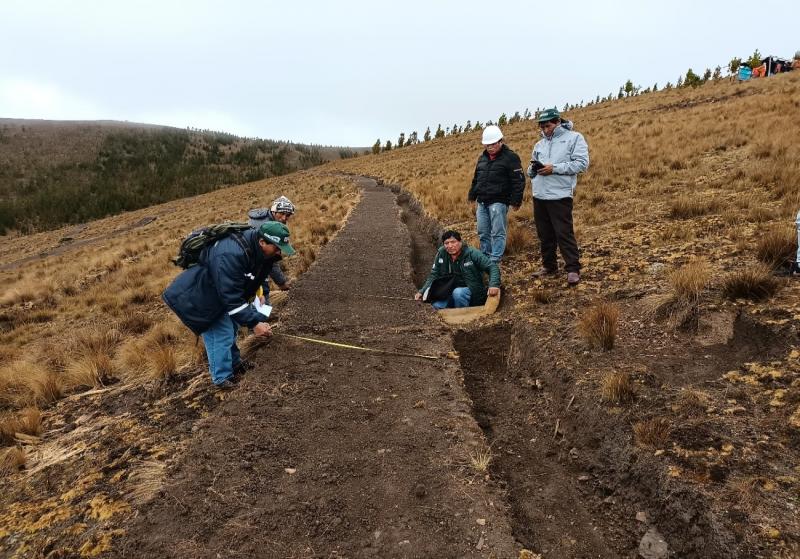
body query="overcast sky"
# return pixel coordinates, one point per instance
(350, 71)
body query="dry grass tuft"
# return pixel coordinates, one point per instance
(12, 460)
(46, 389)
(652, 432)
(599, 324)
(542, 296)
(756, 283)
(689, 281)
(162, 363)
(481, 459)
(92, 359)
(26, 383)
(685, 207)
(692, 402)
(137, 323)
(27, 422)
(89, 371)
(519, 239)
(681, 307)
(777, 246)
(31, 421)
(617, 388)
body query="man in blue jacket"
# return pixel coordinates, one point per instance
(555, 163)
(213, 297)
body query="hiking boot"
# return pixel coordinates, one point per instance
(225, 385)
(545, 271)
(573, 279)
(242, 367)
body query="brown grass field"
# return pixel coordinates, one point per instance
(688, 205)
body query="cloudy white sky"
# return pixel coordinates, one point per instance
(348, 72)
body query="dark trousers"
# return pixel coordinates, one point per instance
(554, 227)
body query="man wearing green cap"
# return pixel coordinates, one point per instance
(556, 161)
(213, 298)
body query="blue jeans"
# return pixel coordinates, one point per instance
(459, 298)
(223, 353)
(492, 221)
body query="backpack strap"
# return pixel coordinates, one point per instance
(243, 244)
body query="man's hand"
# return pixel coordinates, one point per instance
(494, 291)
(262, 330)
(262, 299)
(418, 296)
(546, 170)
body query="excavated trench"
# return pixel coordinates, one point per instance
(574, 483)
(536, 488)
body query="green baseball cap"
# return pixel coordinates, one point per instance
(276, 233)
(548, 114)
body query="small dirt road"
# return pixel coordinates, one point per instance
(327, 452)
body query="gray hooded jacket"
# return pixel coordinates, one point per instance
(568, 152)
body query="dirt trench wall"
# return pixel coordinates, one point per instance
(576, 484)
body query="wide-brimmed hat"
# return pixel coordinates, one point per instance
(548, 114)
(276, 233)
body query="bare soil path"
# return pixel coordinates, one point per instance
(326, 452)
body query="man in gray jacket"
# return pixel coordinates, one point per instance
(555, 163)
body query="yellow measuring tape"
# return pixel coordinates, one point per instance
(359, 348)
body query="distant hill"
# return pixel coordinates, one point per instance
(57, 172)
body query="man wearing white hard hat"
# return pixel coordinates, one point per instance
(497, 184)
(281, 210)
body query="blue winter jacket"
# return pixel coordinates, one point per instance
(226, 278)
(569, 154)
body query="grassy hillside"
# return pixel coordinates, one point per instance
(52, 173)
(666, 386)
(95, 288)
(680, 345)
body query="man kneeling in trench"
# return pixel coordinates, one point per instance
(456, 278)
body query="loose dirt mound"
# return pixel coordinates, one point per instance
(327, 452)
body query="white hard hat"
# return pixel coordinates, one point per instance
(491, 134)
(282, 205)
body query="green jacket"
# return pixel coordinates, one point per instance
(469, 268)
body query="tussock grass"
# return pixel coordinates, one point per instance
(776, 246)
(134, 324)
(692, 402)
(162, 363)
(159, 353)
(25, 383)
(617, 388)
(12, 460)
(519, 238)
(652, 432)
(28, 422)
(681, 306)
(92, 362)
(754, 282)
(599, 324)
(686, 207)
